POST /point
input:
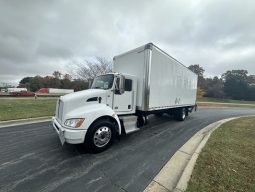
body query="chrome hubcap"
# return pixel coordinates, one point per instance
(102, 136)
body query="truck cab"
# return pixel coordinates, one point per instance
(94, 116)
(121, 91)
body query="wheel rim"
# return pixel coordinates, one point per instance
(102, 136)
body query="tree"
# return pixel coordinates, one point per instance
(200, 93)
(66, 82)
(48, 81)
(214, 88)
(67, 76)
(251, 95)
(36, 83)
(57, 74)
(78, 84)
(197, 69)
(25, 82)
(236, 84)
(90, 69)
(251, 80)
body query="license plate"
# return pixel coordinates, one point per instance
(61, 137)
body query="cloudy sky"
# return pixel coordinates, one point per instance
(38, 37)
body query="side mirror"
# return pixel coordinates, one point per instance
(120, 85)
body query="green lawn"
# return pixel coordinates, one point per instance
(213, 102)
(20, 108)
(227, 162)
(209, 99)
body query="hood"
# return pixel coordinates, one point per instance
(75, 100)
(85, 94)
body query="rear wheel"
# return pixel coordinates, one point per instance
(159, 114)
(100, 136)
(180, 114)
(187, 112)
(142, 120)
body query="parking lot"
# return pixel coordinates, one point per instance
(32, 158)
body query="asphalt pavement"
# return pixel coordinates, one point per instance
(32, 158)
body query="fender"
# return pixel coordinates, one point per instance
(91, 113)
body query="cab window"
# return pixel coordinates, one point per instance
(128, 85)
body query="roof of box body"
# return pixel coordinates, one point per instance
(149, 46)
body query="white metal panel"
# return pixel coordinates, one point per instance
(163, 82)
(133, 63)
(64, 91)
(9, 90)
(122, 102)
(171, 83)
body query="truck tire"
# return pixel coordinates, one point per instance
(100, 136)
(187, 112)
(180, 114)
(142, 120)
(159, 114)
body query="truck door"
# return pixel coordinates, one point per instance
(109, 99)
(125, 101)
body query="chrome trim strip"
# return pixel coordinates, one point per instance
(147, 76)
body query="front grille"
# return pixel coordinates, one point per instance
(60, 110)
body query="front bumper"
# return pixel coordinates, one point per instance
(68, 135)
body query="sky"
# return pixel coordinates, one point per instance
(38, 37)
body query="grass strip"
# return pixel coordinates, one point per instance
(11, 109)
(227, 162)
(209, 99)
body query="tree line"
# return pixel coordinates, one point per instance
(78, 80)
(57, 80)
(233, 84)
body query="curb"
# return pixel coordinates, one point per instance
(12, 123)
(176, 173)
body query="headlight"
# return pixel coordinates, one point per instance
(74, 123)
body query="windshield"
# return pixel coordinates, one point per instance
(103, 82)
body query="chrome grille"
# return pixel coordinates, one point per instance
(60, 110)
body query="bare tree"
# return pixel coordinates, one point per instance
(67, 76)
(57, 74)
(88, 70)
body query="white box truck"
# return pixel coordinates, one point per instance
(14, 89)
(145, 81)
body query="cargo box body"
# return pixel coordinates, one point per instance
(163, 82)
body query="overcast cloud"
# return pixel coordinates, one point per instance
(38, 37)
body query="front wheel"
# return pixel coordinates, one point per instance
(100, 136)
